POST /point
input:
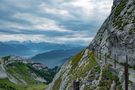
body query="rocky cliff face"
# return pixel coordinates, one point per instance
(94, 66)
(117, 34)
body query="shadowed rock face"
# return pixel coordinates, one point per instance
(117, 34)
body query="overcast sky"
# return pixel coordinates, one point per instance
(55, 21)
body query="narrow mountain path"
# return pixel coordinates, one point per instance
(3, 73)
(120, 68)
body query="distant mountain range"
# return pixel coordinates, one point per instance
(56, 57)
(29, 48)
(50, 54)
(13, 49)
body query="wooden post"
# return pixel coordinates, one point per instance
(133, 48)
(115, 56)
(126, 73)
(76, 85)
(97, 53)
(105, 58)
(100, 54)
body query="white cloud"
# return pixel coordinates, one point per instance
(39, 23)
(20, 37)
(32, 18)
(50, 27)
(84, 9)
(59, 11)
(10, 25)
(43, 38)
(93, 9)
(75, 39)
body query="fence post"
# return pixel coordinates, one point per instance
(126, 73)
(97, 53)
(76, 85)
(115, 57)
(100, 54)
(105, 58)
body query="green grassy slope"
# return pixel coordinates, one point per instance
(5, 84)
(24, 76)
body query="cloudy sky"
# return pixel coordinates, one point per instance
(55, 21)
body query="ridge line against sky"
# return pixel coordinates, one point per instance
(54, 21)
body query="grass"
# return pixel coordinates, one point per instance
(5, 84)
(120, 7)
(133, 67)
(21, 70)
(36, 87)
(129, 13)
(24, 71)
(56, 86)
(133, 20)
(107, 78)
(87, 88)
(131, 31)
(48, 76)
(88, 65)
(75, 59)
(119, 23)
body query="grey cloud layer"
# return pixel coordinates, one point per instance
(65, 20)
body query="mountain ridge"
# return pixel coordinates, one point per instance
(30, 49)
(56, 57)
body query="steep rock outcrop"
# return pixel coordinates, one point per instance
(117, 34)
(94, 67)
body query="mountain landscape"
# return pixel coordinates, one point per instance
(44, 60)
(29, 49)
(17, 73)
(45, 53)
(108, 63)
